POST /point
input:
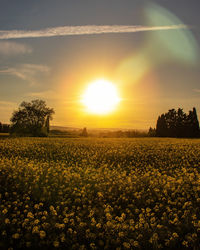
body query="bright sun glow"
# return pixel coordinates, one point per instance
(100, 97)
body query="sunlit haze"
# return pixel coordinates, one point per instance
(100, 97)
(100, 64)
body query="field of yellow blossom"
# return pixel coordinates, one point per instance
(99, 193)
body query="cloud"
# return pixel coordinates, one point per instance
(83, 30)
(13, 48)
(26, 71)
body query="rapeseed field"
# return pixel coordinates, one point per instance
(99, 193)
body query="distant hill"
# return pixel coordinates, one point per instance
(63, 128)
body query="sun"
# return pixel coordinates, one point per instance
(101, 97)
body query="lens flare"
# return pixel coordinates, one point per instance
(159, 47)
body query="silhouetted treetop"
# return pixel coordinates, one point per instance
(32, 118)
(84, 132)
(178, 124)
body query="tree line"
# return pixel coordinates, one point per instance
(123, 134)
(33, 119)
(176, 123)
(4, 128)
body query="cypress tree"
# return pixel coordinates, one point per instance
(195, 124)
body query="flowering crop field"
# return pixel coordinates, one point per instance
(99, 193)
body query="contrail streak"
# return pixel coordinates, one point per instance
(83, 30)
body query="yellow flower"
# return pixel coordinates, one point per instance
(51, 208)
(92, 245)
(5, 211)
(108, 216)
(36, 206)
(56, 243)
(62, 237)
(135, 243)
(70, 230)
(60, 226)
(7, 221)
(65, 220)
(109, 224)
(99, 194)
(185, 243)
(54, 212)
(121, 234)
(93, 221)
(126, 245)
(15, 236)
(35, 230)
(42, 234)
(30, 215)
(45, 213)
(175, 235)
(4, 233)
(98, 225)
(36, 222)
(43, 218)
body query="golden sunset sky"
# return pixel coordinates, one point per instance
(53, 50)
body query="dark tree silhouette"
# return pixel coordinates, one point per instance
(47, 124)
(178, 124)
(194, 123)
(181, 123)
(171, 122)
(84, 132)
(161, 127)
(4, 128)
(152, 132)
(32, 119)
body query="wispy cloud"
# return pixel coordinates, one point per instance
(83, 30)
(13, 48)
(26, 72)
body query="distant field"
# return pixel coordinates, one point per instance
(99, 193)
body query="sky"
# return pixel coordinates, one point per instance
(52, 50)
